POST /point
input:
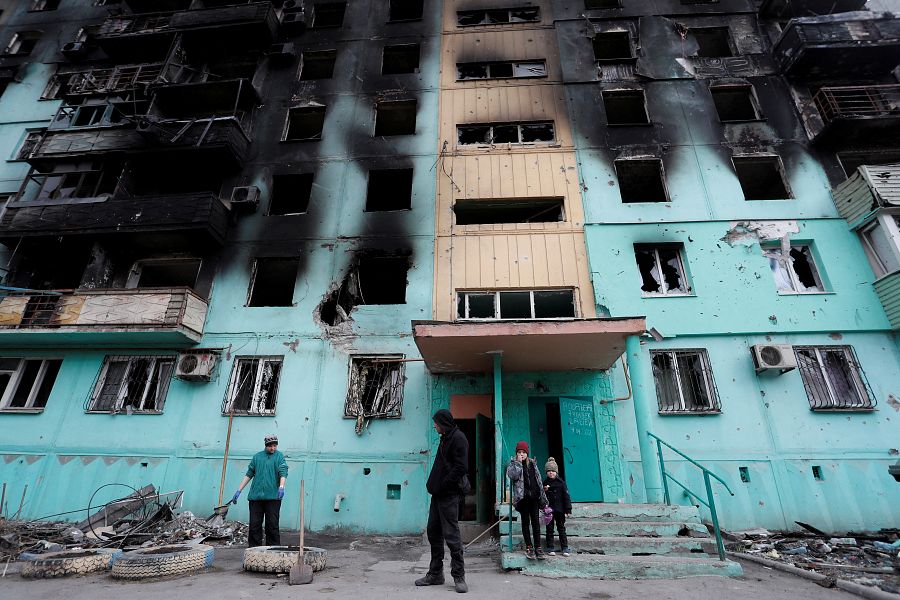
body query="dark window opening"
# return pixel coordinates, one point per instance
(44, 5)
(405, 10)
(89, 115)
(398, 60)
(490, 212)
(472, 71)
(291, 193)
(734, 103)
(329, 14)
(474, 134)
(382, 279)
(744, 472)
(684, 381)
(254, 386)
(641, 180)
(168, 273)
(761, 177)
(501, 70)
(389, 189)
(305, 123)
(661, 269)
(627, 107)
(317, 65)
(498, 16)
(506, 134)
(600, 4)
(537, 132)
(712, 42)
(802, 263)
(524, 304)
(850, 161)
(553, 304)
(515, 305)
(397, 117)
(612, 46)
(23, 43)
(273, 282)
(375, 389)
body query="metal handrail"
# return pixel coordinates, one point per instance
(709, 503)
(841, 102)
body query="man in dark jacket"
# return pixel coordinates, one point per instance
(450, 465)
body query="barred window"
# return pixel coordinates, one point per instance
(25, 383)
(133, 384)
(832, 378)
(376, 387)
(253, 389)
(684, 381)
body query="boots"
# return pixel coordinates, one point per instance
(460, 585)
(430, 579)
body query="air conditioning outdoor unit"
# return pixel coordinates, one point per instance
(292, 6)
(245, 198)
(73, 49)
(774, 357)
(196, 366)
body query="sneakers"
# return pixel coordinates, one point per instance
(551, 552)
(529, 552)
(431, 579)
(460, 584)
(540, 554)
(567, 552)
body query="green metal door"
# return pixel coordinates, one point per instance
(484, 469)
(579, 437)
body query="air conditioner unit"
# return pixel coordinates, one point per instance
(196, 366)
(282, 52)
(774, 357)
(245, 198)
(73, 49)
(292, 6)
(293, 18)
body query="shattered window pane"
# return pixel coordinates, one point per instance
(506, 134)
(515, 305)
(474, 134)
(670, 261)
(661, 269)
(805, 269)
(693, 388)
(683, 381)
(646, 260)
(105, 399)
(481, 306)
(27, 377)
(26, 383)
(245, 374)
(524, 304)
(133, 384)
(832, 378)
(523, 15)
(254, 386)
(375, 390)
(470, 17)
(496, 16)
(554, 304)
(797, 273)
(529, 69)
(471, 71)
(538, 132)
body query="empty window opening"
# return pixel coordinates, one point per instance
(817, 473)
(253, 389)
(613, 46)
(374, 278)
(405, 10)
(528, 14)
(735, 103)
(662, 270)
(744, 472)
(832, 378)
(684, 381)
(305, 123)
(389, 189)
(625, 107)
(317, 65)
(375, 389)
(641, 180)
(518, 304)
(601, 4)
(290, 193)
(526, 210)
(501, 70)
(25, 383)
(22, 42)
(395, 117)
(164, 273)
(273, 282)
(401, 59)
(329, 14)
(44, 5)
(79, 184)
(850, 161)
(506, 133)
(794, 271)
(712, 42)
(761, 177)
(132, 384)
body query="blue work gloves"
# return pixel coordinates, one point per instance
(234, 498)
(280, 493)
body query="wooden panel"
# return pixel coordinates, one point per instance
(194, 313)
(11, 309)
(68, 310)
(116, 309)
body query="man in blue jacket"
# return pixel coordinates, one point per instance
(269, 471)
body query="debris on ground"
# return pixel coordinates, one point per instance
(870, 559)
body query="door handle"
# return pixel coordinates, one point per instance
(569, 452)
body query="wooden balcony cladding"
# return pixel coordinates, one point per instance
(888, 290)
(868, 189)
(98, 317)
(189, 213)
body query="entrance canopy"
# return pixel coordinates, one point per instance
(572, 345)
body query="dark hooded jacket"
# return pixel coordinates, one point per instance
(451, 461)
(558, 495)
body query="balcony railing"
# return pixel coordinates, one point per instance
(858, 102)
(117, 79)
(241, 14)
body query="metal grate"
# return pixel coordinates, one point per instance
(375, 389)
(833, 378)
(254, 386)
(132, 384)
(40, 310)
(684, 382)
(858, 101)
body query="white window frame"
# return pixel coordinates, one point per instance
(709, 384)
(679, 249)
(888, 226)
(257, 401)
(498, 315)
(863, 399)
(786, 265)
(155, 362)
(16, 378)
(518, 126)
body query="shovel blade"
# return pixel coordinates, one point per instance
(300, 574)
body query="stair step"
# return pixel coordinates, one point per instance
(620, 567)
(595, 527)
(683, 546)
(644, 513)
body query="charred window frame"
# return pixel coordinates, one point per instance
(850, 161)
(164, 273)
(613, 47)
(833, 378)
(625, 107)
(498, 305)
(93, 180)
(796, 272)
(31, 140)
(531, 132)
(881, 241)
(498, 16)
(400, 59)
(713, 42)
(132, 384)
(304, 124)
(641, 180)
(662, 270)
(272, 281)
(523, 69)
(400, 11)
(96, 114)
(735, 103)
(26, 383)
(328, 15)
(375, 387)
(389, 190)
(761, 176)
(317, 64)
(509, 210)
(395, 117)
(684, 382)
(291, 194)
(253, 388)
(22, 43)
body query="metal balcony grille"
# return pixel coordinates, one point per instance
(684, 382)
(851, 102)
(121, 78)
(833, 378)
(116, 26)
(40, 310)
(375, 389)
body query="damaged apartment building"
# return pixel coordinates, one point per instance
(574, 222)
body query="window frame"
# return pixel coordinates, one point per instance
(751, 95)
(313, 108)
(14, 47)
(509, 21)
(119, 404)
(517, 124)
(759, 158)
(666, 293)
(355, 364)
(604, 94)
(464, 294)
(254, 410)
(512, 63)
(888, 224)
(714, 405)
(866, 400)
(34, 135)
(16, 379)
(792, 275)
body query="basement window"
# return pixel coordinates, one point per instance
(761, 177)
(527, 14)
(405, 10)
(501, 70)
(304, 124)
(164, 273)
(662, 270)
(22, 43)
(398, 60)
(253, 389)
(506, 133)
(132, 384)
(514, 210)
(389, 189)
(796, 271)
(272, 282)
(330, 14)
(684, 381)
(614, 46)
(641, 180)
(601, 4)
(317, 65)
(712, 42)
(735, 103)
(395, 117)
(833, 378)
(625, 107)
(25, 383)
(375, 389)
(290, 194)
(518, 304)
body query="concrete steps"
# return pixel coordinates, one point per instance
(620, 567)
(595, 527)
(681, 546)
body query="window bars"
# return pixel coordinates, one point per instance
(253, 389)
(133, 384)
(375, 390)
(684, 382)
(833, 378)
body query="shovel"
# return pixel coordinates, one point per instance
(301, 572)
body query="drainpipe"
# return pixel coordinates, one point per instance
(643, 411)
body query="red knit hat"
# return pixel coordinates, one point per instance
(522, 446)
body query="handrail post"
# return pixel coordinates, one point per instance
(715, 518)
(662, 472)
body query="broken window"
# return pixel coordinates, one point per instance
(794, 271)
(832, 378)
(600, 4)
(43, 5)
(625, 107)
(613, 46)
(290, 193)
(25, 383)
(662, 270)
(506, 133)
(684, 381)
(329, 14)
(88, 183)
(735, 103)
(31, 141)
(374, 278)
(272, 283)
(317, 65)
(132, 384)
(641, 180)
(253, 388)
(528, 14)
(501, 70)
(761, 177)
(22, 43)
(389, 189)
(401, 59)
(395, 117)
(881, 241)
(405, 10)
(514, 210)
(850, 161)
(375, 390)
(304, 123)
(712, 42)
(518, 304)
(164, 273)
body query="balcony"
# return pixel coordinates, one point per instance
(789, 9)
(856, 44)
(870, 188)
(867, 115)
(170, 317)
(119, 79)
